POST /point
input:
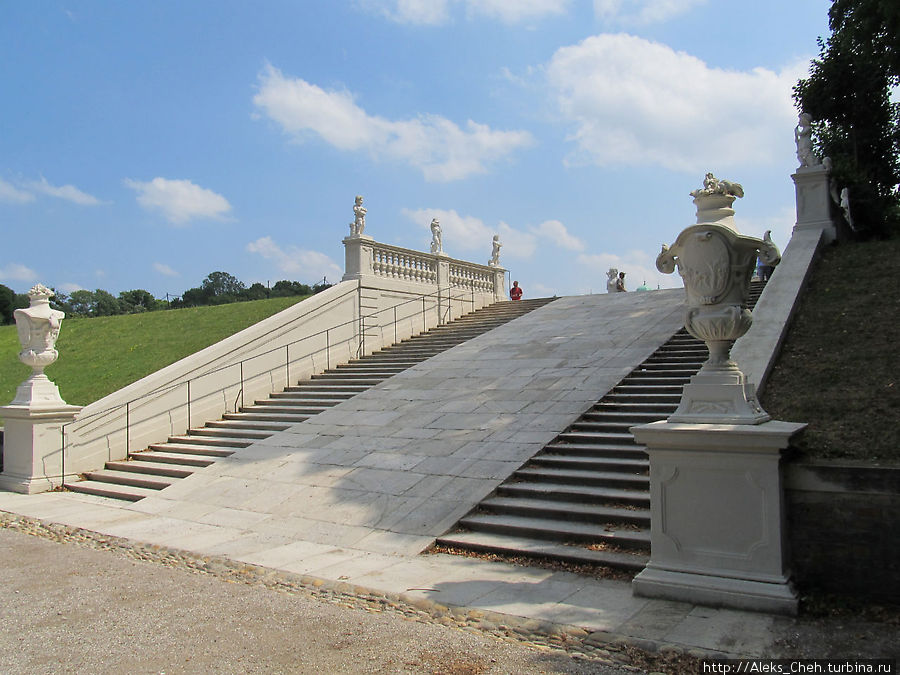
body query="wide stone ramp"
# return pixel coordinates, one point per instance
(157, 467)
(395, 466)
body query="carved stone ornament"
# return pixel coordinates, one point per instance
(716, 263)
(611, 276)
(437, 245)
(38, 329)
(495, 252)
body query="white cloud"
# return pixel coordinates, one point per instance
(69, 287)
(68, 192)
(301, 264)
(12, 194)
(165, 270)
(179, 200)
(557, 233)
(637, 102)
(642, 11)
(516, 11)
(433, 144)
(437, 12)
(639, 268)
(17, 272)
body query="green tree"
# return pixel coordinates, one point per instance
(7, 304)
(138, 300)
(256, 292)
(221, 287)
(848, 95)
(81, 302)
(105, 304)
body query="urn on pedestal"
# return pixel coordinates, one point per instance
(716, 263)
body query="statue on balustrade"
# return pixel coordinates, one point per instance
(436, 243)
(612, 277)
(359, 217)
(495, 253)
(803, 138)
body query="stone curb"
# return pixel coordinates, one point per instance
(602, 647)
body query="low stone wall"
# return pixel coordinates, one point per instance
(843, 523)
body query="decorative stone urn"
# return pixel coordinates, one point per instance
(716, 263)
(38, 327)
(32, 448)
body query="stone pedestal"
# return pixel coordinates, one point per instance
(717, 521)
(357, 257)
(499, 284)
(32, 446)
(814, 201)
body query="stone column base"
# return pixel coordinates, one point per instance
(716, 591)
(33, 447)
(717, 533)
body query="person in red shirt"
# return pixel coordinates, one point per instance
(515, 293)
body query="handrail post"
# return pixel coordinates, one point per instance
(242, 384)
(127, 428)
(188, 406)
(327, 350)
(395, 324)
(287, 365)
(424, 322)
(62, 454)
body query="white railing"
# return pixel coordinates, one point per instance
(401, 263)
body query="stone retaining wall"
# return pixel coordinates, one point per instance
(843, 522)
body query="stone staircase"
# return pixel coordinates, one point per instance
(585, 498)
(146, 472)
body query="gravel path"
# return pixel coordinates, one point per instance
(75, 601)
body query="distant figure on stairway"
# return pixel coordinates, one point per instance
(515, 293)
(620, 283)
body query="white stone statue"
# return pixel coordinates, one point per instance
(495, 253)
(358, 226)
(436, 243)
(714, 186)
(803, 138)
(611, 278)
(845, 207)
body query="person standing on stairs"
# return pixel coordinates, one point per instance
(515, 293)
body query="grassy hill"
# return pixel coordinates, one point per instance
(98, 356)
(838, 369)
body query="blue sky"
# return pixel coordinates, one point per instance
(147, 144)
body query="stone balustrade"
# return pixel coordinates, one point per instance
(401, 263)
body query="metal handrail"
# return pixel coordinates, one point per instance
(361, 335)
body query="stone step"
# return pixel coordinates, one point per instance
(176, 458)
(596, 438)
(321, 394)
(153, 468)
(579, 493)
(580, 511)
(256, 422)
(558, 530)
(597, 449)
(129, 478)
(124, 492)
(601, 416)
(570, 476)
(227, 434)
(186, 448)
(607, 426)
(490, 542)
(282, 408)
(589, 462)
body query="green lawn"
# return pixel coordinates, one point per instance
(101, 355)
(838, 366)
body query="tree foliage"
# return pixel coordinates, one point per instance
(855, 123)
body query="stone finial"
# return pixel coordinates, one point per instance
(495, 252)
(437, 245)
(715, 199)
(358, 226)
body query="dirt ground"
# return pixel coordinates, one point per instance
(66, 608)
